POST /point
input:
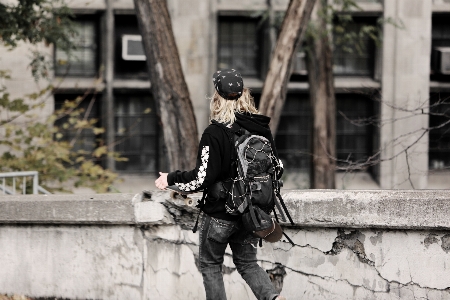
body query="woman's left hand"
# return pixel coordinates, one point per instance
(161, 182)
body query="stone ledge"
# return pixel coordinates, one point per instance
(68, 209)
(395, 209)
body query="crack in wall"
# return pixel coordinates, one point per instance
(390, 284)
(183, 215)
(430, 239)
(351, 241)
(160, 239)
(277, 275)
(433, 238)
(333, 279)
(446, 243)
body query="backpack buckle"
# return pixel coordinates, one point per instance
(255, 186)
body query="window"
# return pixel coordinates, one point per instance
(136, 133)
(354, 55)
(90, 106)
(126, 29)
(439, 137)
(440, 47)
(293, 140)
(238, 45)
(82, 61)
(353, 140)
(353, 135)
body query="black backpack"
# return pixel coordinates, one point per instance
(253, 190)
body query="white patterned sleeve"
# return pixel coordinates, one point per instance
(207, 170)
(201, 174)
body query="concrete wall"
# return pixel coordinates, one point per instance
(348, 245)
(22, 83)
(405, 91)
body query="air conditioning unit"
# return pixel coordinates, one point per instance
(132, 48)
(299, 63)
(441, 60)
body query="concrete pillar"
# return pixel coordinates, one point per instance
(405, 91)
(108, 108)
(192, 35)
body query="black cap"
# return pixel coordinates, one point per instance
(228, 84)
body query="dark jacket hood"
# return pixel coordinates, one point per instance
(254, 123)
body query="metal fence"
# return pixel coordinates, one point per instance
(12, 188)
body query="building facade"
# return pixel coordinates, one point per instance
(394, 84)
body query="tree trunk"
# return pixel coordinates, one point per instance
(323, 104)
(275, 85)
(168, 86)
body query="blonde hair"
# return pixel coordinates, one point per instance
(223, 110)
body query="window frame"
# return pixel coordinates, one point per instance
(372, 57)
(242, 17)
(153, 156)
(62, 71)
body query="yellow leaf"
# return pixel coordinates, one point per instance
(100, 151)
(147, 110)
(98, 130)
(82, 124)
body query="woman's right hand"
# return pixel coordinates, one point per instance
(161, 182)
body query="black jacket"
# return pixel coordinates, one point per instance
(214, 160)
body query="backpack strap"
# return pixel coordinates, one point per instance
(233, 132)
(277, 193)
(200, 205)
(277, 204)
(287, 237)
(251, 209)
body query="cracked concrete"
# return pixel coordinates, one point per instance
(157, 256)
(353, 241)
(277, 275)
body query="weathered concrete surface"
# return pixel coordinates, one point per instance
(68, 209)
(399, 209)
(394, 209)
(331, 259)
(405, 82)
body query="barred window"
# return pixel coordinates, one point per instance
(439, 137)
(440, 47)
(353, 134)
(354, 139)
(293, 139)
(89, 108)
(136, 133)
(238, 45)
(354, 54)
(82, 61)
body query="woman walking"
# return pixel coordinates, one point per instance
(231, 103)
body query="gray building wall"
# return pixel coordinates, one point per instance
(405, 89)
(401, 73)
